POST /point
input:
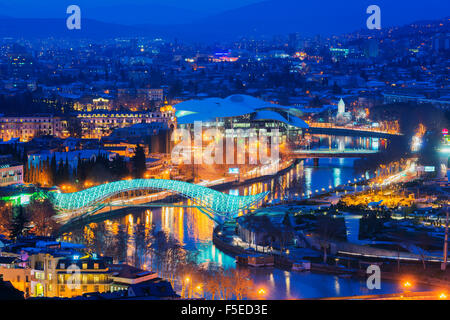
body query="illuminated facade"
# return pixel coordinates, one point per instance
(19, 276)
(93, 105)
(10, 173)
(27, 127)
(54, 276)
(96, 125)
(243, 123)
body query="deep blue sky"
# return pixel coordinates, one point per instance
(181, 12)
(48, 8)
(123, 11)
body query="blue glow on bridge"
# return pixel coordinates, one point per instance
(212, 201)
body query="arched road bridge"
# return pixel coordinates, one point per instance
(333, 153)
(331, 130)
(211, 202)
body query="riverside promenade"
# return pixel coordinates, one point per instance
(440, 283)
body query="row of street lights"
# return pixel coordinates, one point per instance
(261, 292)
(407, 286)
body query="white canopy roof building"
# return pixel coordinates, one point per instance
(237, 106)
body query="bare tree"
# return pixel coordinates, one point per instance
(41, 213)
(6, 217)
(226, 284)
(327, 230)
(211, 282)
(242, 283)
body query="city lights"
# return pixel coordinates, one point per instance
(262, 292)
(241, 150)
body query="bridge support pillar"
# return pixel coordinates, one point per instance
(316, 162)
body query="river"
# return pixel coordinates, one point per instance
(122, 238)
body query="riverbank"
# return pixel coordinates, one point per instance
(123, 229)
(66, 221)
(220, 241)
(225, 240)
(224, 243)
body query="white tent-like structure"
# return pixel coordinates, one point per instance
(212, 109)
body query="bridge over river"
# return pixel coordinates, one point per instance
(332, 153)
(333, 130)
(212, 203)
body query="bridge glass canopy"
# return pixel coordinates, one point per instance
(214, 202)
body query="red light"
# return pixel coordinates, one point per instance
(444, 131)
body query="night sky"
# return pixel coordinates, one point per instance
(331, 13)
(47, 8)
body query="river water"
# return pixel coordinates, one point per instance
(120, 238)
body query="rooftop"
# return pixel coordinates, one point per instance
(211, 109)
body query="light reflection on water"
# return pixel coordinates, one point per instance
(125, 237)
(281, 284)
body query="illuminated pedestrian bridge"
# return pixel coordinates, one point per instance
(209, 201)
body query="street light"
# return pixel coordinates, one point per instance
(262, 292)
(407, 285)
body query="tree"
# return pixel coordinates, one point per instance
(74, 127)
(41, 213)
(226, 284)
(423, 244)
(6, 217)
(66, 171)
(415, 242)
(19, 222)
(139, 163)
(60, 173)
(189, 273)
(142, 240)
(327, 229)
(121, 244)
(53, 170)
(211, 280)
(242, 283)
(119, 168)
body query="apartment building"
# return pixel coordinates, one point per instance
(26, 128)
(11, 172)
(67, 277)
